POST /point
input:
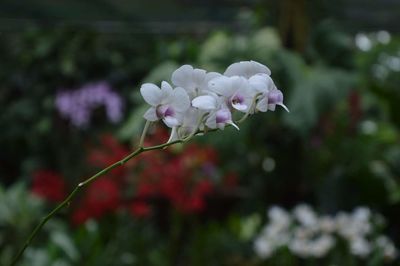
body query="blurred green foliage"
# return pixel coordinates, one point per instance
(339, 147)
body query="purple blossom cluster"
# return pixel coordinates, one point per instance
(78, 105)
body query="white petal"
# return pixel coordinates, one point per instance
(198, 76)
(151, 94)
(212, 75)
(223, 86)
(211, 121)
(262, 105)
(271, 107)
(205, 102)
(166, 89)
(246, 69)
(151, 114)
(182, 76)
(191, 117)
(171, 121)
(180, 100)
(221, 126)
(261, 83)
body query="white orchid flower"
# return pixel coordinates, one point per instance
(219, 114)
(193, 80)
(167, 104)
(191, 122)
(236, 90)
(246, 69)
(204, 100)
(270, 95)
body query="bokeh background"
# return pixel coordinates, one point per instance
(70, 73)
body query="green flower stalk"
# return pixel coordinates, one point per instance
(200, 102)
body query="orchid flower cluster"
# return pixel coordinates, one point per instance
(201, 100)
(309, 235)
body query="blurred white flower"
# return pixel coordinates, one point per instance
(263, 248)
(278, 215)
(322, 245)
(355, 225)
(305, 215)
(317, 247)
(308, 235)
(327, 224)
(386, 245)
(360, 247)
(362, 214)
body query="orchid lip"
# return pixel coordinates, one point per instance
(164, 111)
(223, 116)
(275, 97)
(237, 99)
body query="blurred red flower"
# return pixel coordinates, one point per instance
(140, 209)
(102, 197)
(49, 185)
(109, 152)
(182, 177)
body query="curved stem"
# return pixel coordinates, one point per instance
(81, 185)
(146, 127)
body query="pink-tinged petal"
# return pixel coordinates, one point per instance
(171, 121)
(182, 76)
(262, 105)
(246, 69)
(205, 102)
(180, 100)
(275, 97)
(151, 94)
(223, 116)
(151, 114)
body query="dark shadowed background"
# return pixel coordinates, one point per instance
(70, 73)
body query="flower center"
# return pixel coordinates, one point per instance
(237, 99)
(164, 111)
